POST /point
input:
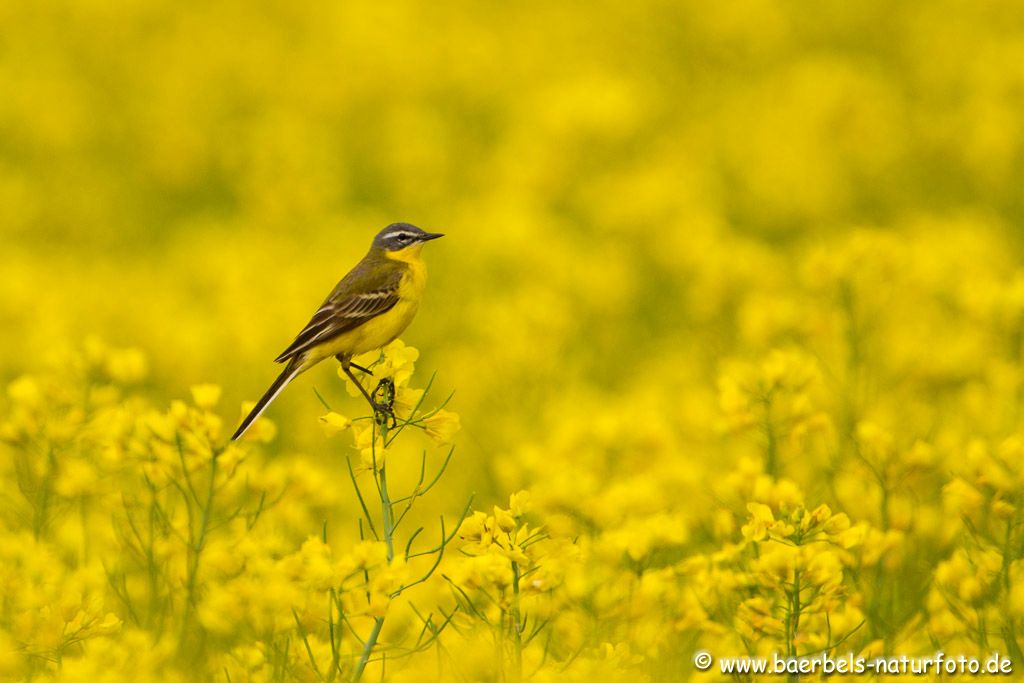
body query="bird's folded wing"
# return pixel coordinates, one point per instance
(341, 313)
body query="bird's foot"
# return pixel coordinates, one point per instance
(384, 403)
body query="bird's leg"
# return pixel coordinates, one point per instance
(345, 367)
(360, 368)
(382, 410)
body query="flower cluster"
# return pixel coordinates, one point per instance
(732, 290)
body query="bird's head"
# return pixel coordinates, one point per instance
(401, 240)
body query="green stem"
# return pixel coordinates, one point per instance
(771, 464)
(378, 624)
(517, 629)
(389, 529)
(388, 515)
(793, 621)
(796, 611)
(197, 550)
(42, 512)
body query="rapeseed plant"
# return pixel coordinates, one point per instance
(733, 305)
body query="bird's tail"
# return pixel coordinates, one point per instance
(291, 370)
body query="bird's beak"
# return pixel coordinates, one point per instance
(431, 236)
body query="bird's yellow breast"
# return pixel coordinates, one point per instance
(415, 278)
(386, 327)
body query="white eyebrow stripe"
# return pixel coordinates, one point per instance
(396, 233)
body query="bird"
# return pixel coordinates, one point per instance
(367, 309)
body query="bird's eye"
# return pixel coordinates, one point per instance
(403, 237)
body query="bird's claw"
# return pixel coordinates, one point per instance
(384, 403)
(384, 416)
(385, 392)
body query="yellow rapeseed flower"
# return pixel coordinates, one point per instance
(333, 423)
(442, 426)
(206, 396)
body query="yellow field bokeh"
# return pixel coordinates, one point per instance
(723, 349)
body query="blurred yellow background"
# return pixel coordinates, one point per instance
(699, 257)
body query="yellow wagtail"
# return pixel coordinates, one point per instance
(369, 308)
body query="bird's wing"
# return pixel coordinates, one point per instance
(348, 307)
